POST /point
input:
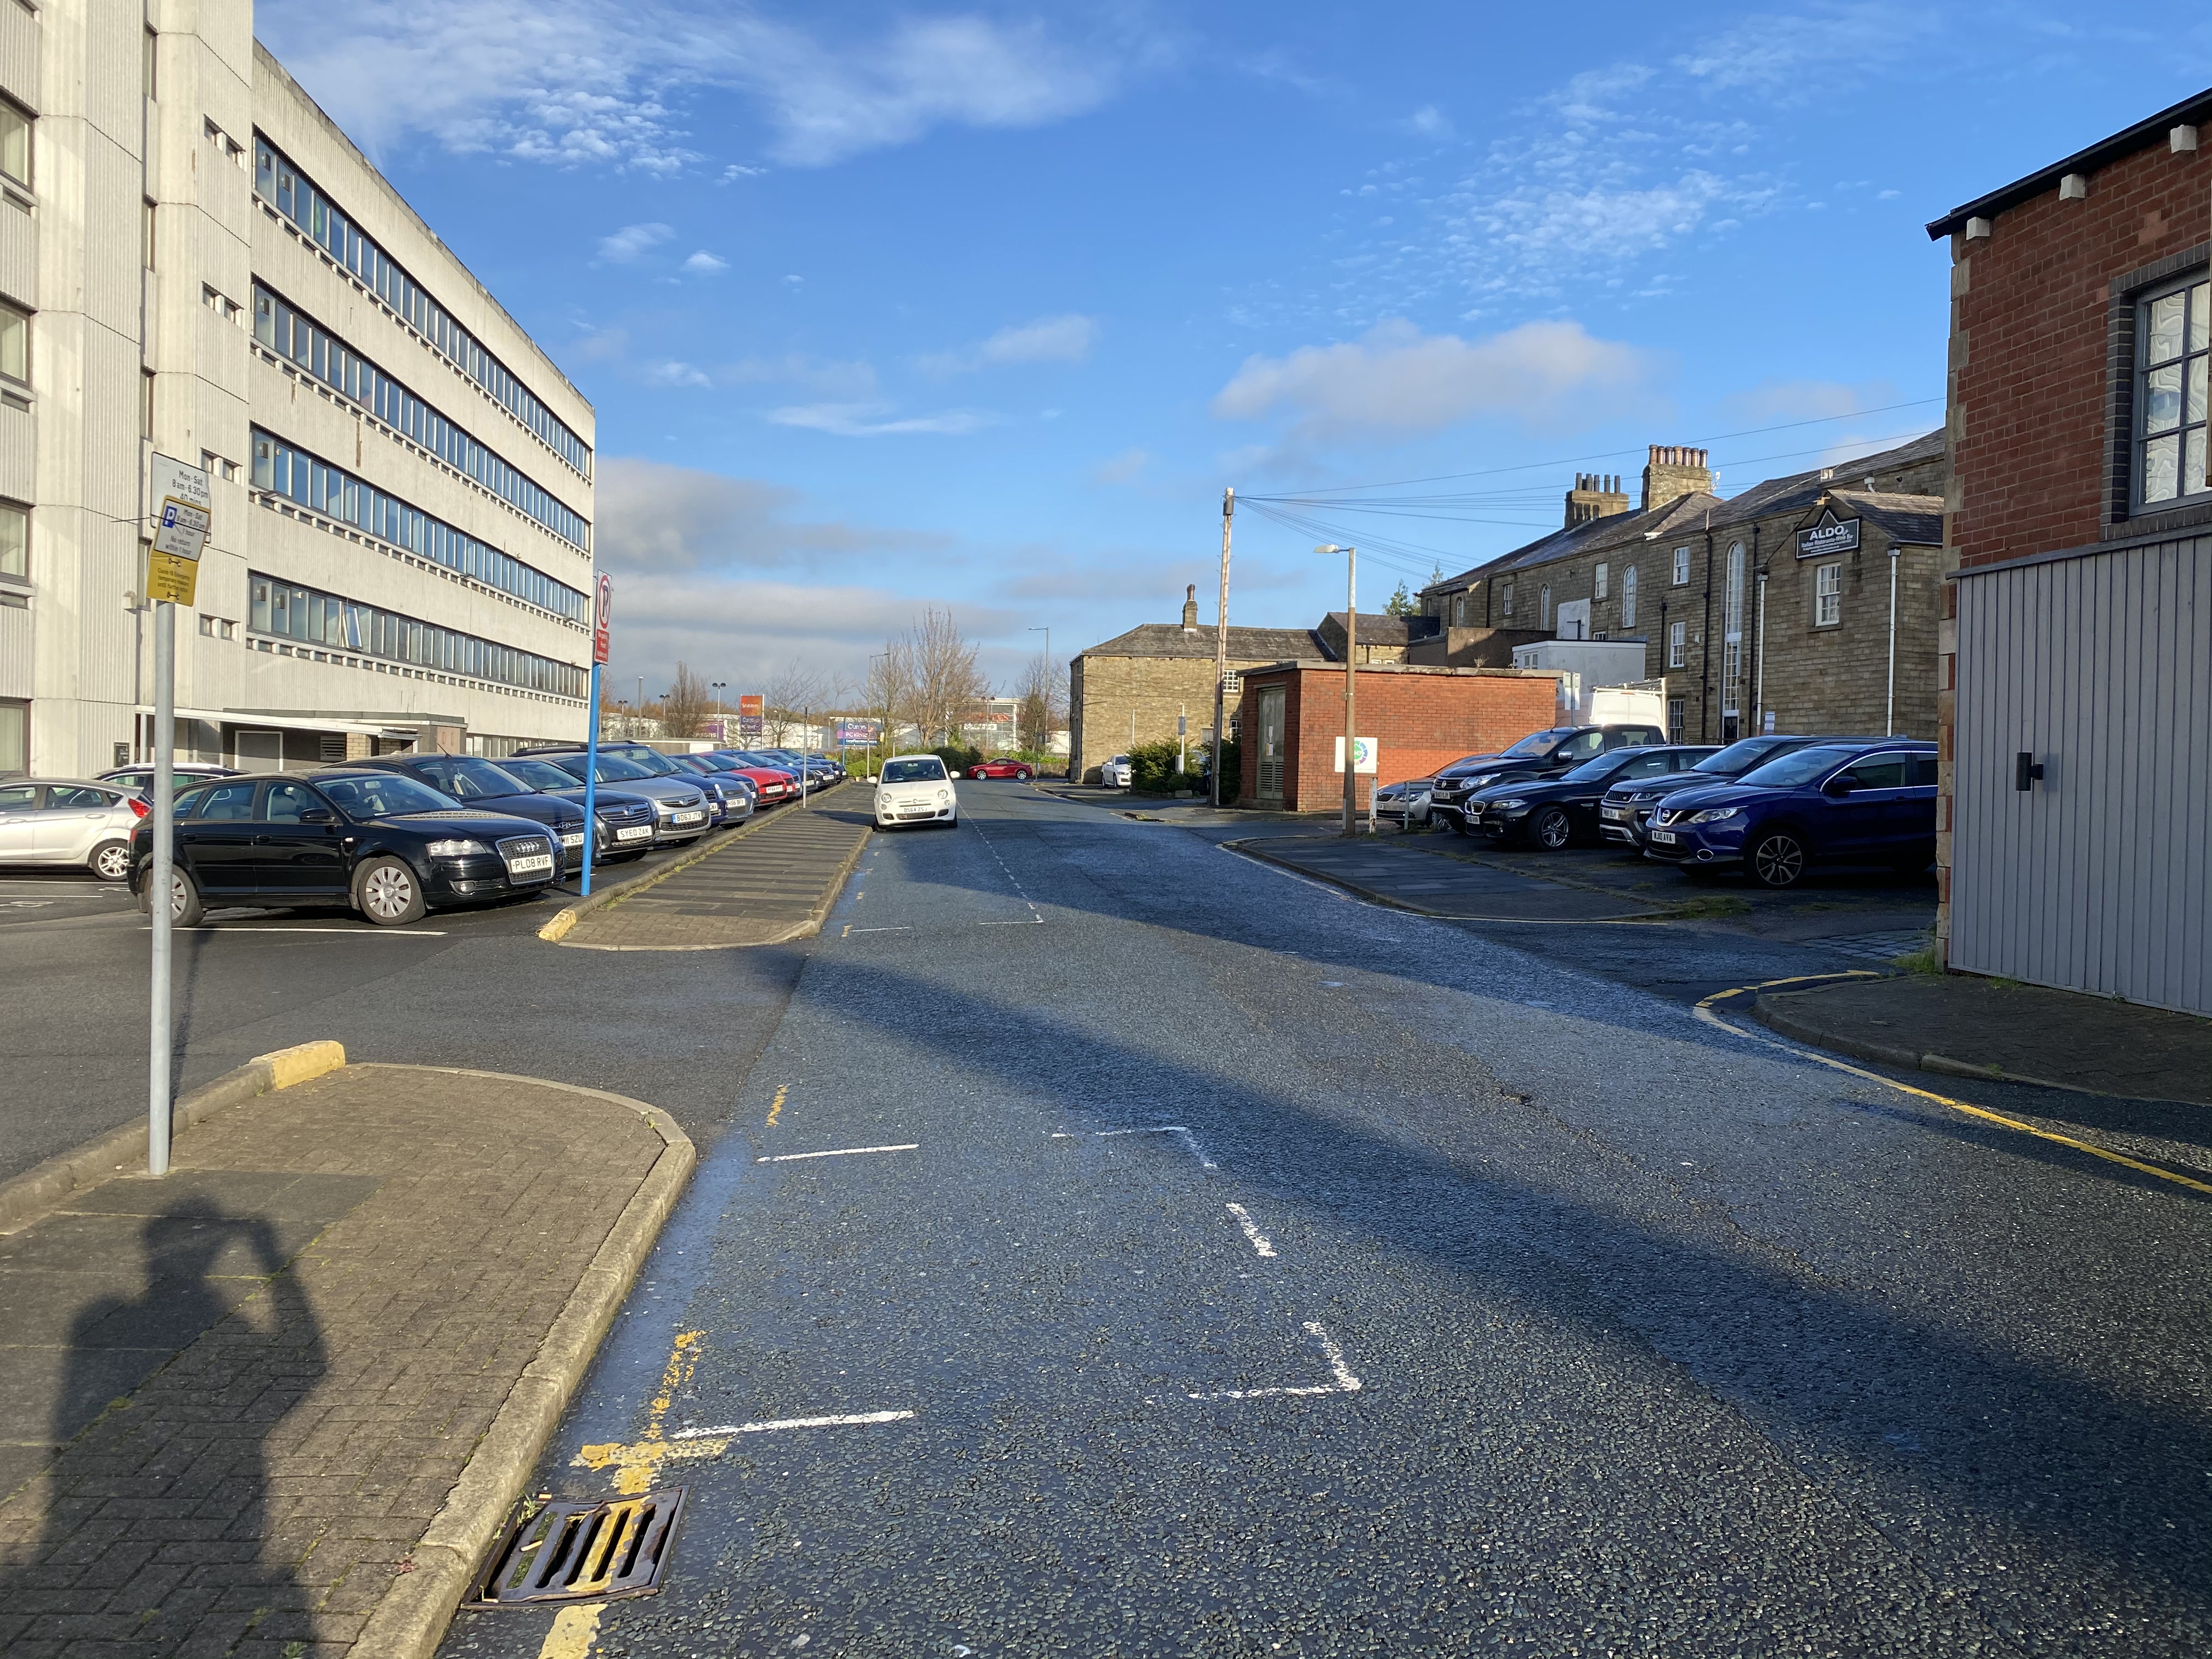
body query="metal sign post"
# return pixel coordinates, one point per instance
(183, 516)
(603, 616)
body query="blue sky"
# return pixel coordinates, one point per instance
(886, 306)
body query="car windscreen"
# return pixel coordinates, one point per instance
(1738, 759)
(467, 779)
(1800, 766)
(537, 773)
(650, 763)
(1603, 767)
(914, 771)
(381, 794)
(1537, 744)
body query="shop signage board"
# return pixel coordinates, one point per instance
(1830, 535)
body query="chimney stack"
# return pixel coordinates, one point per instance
(1190, 609)
(1674, 471)
(1595, 496)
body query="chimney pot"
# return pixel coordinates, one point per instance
(1190, 609)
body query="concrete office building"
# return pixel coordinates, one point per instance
(194, 261)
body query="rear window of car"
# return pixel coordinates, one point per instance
(76, 797)
(914, 771)
(382, 794)
(1801, 766)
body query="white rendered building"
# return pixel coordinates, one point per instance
(195, 261)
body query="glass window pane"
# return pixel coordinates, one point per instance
(2200, 316)
(14, 345)
(15, 541)
(2164, 334)
(2162, 398)
(260, 621)
(2192, 466)
(2193, 409)
(2161, 469)
(15, 144)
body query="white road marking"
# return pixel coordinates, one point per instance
(879, 930)
(356, 933)
(1190, 1141)
(853, 1419)
(1261, 1245)
(843, 1152)
(1346, 1382)
(1023, 921)
(1011, 879)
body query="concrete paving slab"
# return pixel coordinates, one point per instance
(772, 885)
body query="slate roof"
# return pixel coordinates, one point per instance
(1794, 491)
(1245, 644)
(1385, 630)
(1911, 521)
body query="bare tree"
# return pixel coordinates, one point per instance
(794, 692)
(947, 682)
(887, 692)
(1040, 691)
(684, 708)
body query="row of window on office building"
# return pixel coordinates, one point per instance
(285, 188)
(313, 348)
(316, 484)
(287, 610)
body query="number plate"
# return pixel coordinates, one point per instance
(576, 840)
(536, 861)
(686, 818)
(635, 832)
(1664, 837)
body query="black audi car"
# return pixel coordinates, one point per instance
(356, 838)
(1556, 812)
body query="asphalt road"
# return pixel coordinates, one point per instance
(1218, 1265)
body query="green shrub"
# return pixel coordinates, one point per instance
(1153, 765)
(957, 758)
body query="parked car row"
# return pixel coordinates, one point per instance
(1771, 807)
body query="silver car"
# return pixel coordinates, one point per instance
(1405, 804)
(69, 821)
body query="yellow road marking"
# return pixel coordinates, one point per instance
(1704, 1011)
(775, 1108)
(636, 1464)
(574, 1632)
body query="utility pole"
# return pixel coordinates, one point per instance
(1889, 704)
(1221, 644)
(1351, 684)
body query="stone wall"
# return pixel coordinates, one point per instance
(1107, 694)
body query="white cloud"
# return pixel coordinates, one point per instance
(704, 264)
(1805, 54)
(1430, 123)
(868, 420)
(1396, 380)
(1064, 340)
(633, 242)
(1775, 401)
(672, 373)
(1125, 468)
(653, 517)
(738, 170)
(590, 82)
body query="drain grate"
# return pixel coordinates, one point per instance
(579, 1551)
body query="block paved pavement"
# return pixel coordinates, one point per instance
(773, 884)
(236, 1396)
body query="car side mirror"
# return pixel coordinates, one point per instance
(317, 815)
(1836, 789)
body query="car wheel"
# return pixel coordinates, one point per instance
(1777, 859)
(1551, 831)
(111, 860)
(388, 892)
(184, 906)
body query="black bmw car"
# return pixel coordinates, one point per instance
(1555, 812)
(341, 838)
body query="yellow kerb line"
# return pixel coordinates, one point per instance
(775, 1108)
(1704, 1011)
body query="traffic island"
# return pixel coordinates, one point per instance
(282, 1399)
(775, 884)
(1963, 1026)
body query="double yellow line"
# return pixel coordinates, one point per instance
(1705, 1012)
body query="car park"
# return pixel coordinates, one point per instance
(1114, 773)
(772, 785)
(1628, 805)
(1405, 804)
(475, 783)
(69, 821)
(651, 763)
(378, 842)
(141, 776)
(739, 791)
(1554, 813)
(1020, 771)
(680, 809)
(915, 789)
(1548, 753)
(628, 823)
(1845, 802)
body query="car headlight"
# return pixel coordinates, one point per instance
(1715, 814)
(458, 849)
(943, 795)
(1511, 800)
(1417, 796)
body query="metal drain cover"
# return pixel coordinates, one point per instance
(585, 1552)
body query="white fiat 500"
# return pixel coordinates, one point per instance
(915, 789)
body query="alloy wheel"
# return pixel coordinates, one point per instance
(1778, 860)
(388, 892)
(180, 894)
(113, 862)
(1553, 830)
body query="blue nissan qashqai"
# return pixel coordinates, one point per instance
(1865, 802)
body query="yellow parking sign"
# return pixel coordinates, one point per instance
(180, 530)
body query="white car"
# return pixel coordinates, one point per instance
(69, 821)
(1114, 775)
(915, 789)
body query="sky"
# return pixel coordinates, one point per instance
(884, 308)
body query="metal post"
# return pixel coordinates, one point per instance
(159, 879)
(592, 783)
(805, 720)
(1221, 646)
(1759, 682)
(1351, 687)
(1889, 705)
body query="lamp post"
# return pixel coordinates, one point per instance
(886, 734)
(1351, 687)
(719, 687)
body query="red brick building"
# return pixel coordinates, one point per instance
(1421, 719)
(2075, 654)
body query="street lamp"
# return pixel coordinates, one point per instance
(1350, 658)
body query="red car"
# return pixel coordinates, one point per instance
(1022, 771)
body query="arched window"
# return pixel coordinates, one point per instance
(1544, 605)
(1628, 597)
(1732, 632)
